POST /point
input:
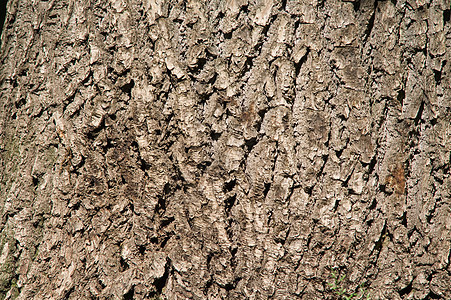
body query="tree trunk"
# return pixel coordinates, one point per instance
(164, 149)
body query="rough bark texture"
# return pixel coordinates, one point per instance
(225, 150)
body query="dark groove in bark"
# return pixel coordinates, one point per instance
(406, 291)
(370, 25)
(130, 294)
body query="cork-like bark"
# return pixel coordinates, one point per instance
(240, 149)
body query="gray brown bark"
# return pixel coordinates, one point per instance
(225, 150)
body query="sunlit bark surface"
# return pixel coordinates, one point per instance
(164, 149)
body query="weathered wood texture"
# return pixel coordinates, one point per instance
(225, 149)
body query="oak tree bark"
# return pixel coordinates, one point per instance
(239, 149)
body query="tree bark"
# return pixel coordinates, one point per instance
(225, 149)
